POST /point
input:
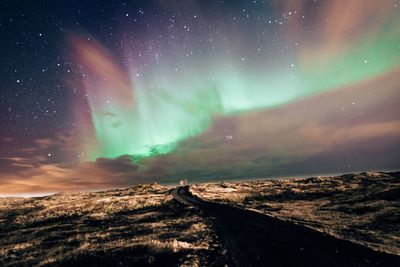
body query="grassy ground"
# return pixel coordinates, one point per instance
(140, 226)
(363, 208)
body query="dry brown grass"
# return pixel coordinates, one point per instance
(363, 208)
(142, 225)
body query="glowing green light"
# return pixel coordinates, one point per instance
(177, 105)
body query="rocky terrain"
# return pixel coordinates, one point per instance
(140, 226)
(363, 208)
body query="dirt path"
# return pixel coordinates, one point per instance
(254, 239)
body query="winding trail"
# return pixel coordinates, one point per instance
(255, 239)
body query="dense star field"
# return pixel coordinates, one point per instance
(97, 94)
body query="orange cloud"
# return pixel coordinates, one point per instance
(360, 123)
(100, 68)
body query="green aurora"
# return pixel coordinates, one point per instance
(172, 104)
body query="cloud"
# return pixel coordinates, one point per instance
(101, 174)
(357, 126)
(362, 117)
(45, 143)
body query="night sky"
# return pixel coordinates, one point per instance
(103, 94)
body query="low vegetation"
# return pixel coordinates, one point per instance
(139, 226)
(363, 208)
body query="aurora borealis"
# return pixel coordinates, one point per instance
(208, 90)
(178, 91)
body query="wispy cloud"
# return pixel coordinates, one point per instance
(360, 124)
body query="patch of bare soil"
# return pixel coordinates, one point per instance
(139, 226)
(363, 208)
